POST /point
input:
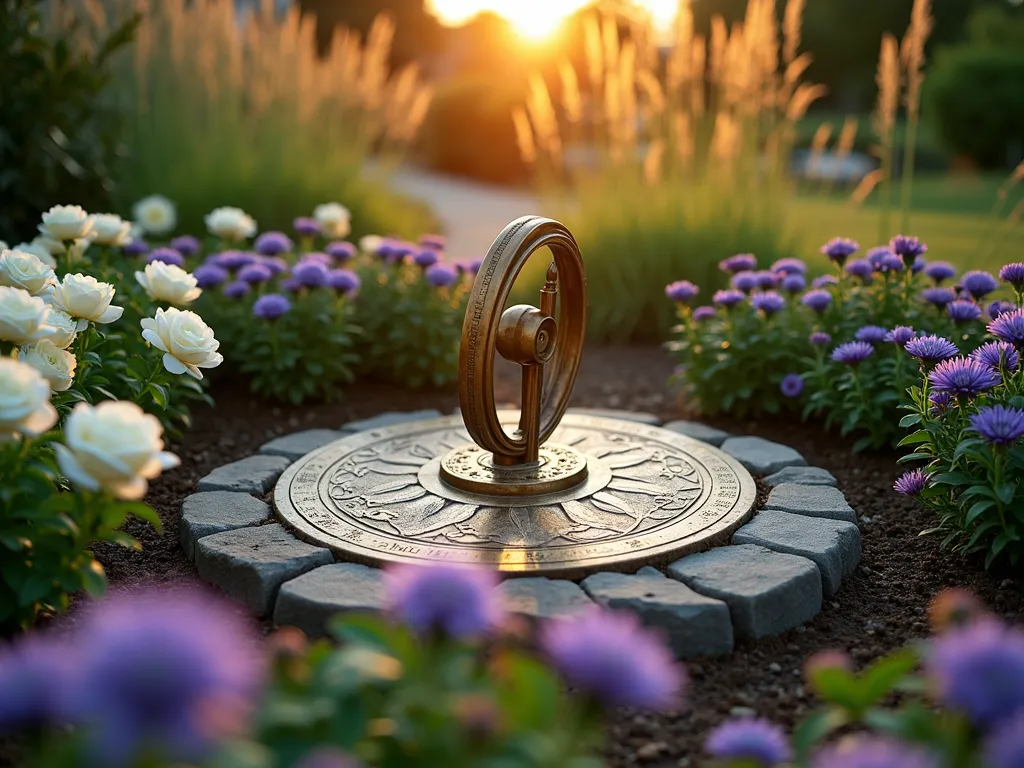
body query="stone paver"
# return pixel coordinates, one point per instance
(811, 500)
(638, 417)
(255, 474)
(699, 431)
(250, 564)
(541, 598)
(760, 456)
(203, 514)
(833, 545)
(298, 444)
(310, 600)
(389, 419)
(767, 592)
(801, 476)
(695, 625)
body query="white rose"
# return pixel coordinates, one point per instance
(168, 282)
(110, 229)
(65, 328)
(25, 270)
(25, 406)
(85, 298)
(74, 252)
(23, 316)
(115, 446)
(66, 222)
(186, 341)
(334, 219)
(370, 243)
(56, 365)
(36, 248)
(155, 214)
(230, 223)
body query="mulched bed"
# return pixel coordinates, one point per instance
(881, 607)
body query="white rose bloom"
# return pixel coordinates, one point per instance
(85, 298)
(23, 316)
(66, 222)
(114, 446)
(25, 270)
(110, 229)
(230, 223)
(25, 406)
(56, 365)
(168, 282)
(36, 248)
(334, 219)
(186, 341)
(65, 328)
(370, 243)
(155, 214)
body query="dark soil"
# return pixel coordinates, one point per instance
(881, 607)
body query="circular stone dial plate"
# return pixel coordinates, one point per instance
(651, 495)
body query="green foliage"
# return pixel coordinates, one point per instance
(58, 135)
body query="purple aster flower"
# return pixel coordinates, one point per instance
(401, 250)
(963, 311)
(766, 280)
(271, 306)
(441, 275)
(237, 289)
(792, 385)
(996, 354)
(186, 245)
(611, 657)
(940, 297)
(1009, 327)
(167, 256)
(890, 262)
(254, 274)
(918, 266)
(931, 349)
(425, 257)
(153, 667)
(436, 242)
(873, 752)
(320, 256)
(232, 260)
(341, 250)
(700, 314)
(872, 334)
(311, 273)
(273, 244)
(979, 283)
(794, 283)
(472, 266)
(135, 248)
(306, 227)
(940, 402)
(978, 669)
(875, 255)
(290, 284)
(999, 424)
(818, 300)
(1013, 274)
(839, 249)
(961, 376)
(728, 298)
(741, 262)
(744, 281)
(907, 248)
(861, 268)
(33, 673)
(768, 302)
(911, 483)
(750, 740)
(327, 757)
(852, 352)
(823, 281)
(209, 275)
(790, 266)
(681, 291)
(344, 280)
(460, 601)
(900, 335)
(275, 264)
(1004, 747)
(820, 339)
(940, 271)
(997, 308)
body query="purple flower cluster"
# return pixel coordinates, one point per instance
(817, 299)
(790, 266)
(978, 283)
(792, 385)
(931, 349)
(741, 262)
(427, 257)
(441, 275)
(820, 339)
(996, 354)
(962, 377)
(701, 314)
(340, 250)
(759, 742)
(728, 298)
(874, 752)
(311, 272)
(823, 281)
(186, 245)
(273, 244)
(911, 483)
(237, 289)
(305, 226)
(1009, 327)
(900, 335)
(744, 281)
(232, 260)
(1013, 274)
(861, 268)
(458, 601)
(872, 334)
(135, 247)
(768, 302)
(794, 283)
(907, 247)
(999, 424)
(839, 249)
(940, 271)
(210, 275)
(167, 256)
(343, 281)
(853, 352)
(271, 306)
(940, 297)
(963, 311)
(997, 308)
(681, 291)
(255, 273)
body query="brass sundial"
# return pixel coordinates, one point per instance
(533, 491)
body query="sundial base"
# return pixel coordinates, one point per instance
(649, 495)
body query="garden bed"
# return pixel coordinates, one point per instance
(881, 606)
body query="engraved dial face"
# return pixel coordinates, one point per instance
(650, 495)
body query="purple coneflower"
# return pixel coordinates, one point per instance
(852, 352)
(839, 249)
(999, 424)
(728, 298)
(759, 743)
(872, 334)
(962, 377)
(768, 302)
(911, 483)
(460, 601)
(963, 311)
(940, 271)
(273, 244)
(741, 262)
(681, 291)
(900, 335)
(271, 306)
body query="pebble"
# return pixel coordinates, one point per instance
(775, 667)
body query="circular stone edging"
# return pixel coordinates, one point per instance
(772, 577)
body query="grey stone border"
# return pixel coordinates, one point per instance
(772, 577)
